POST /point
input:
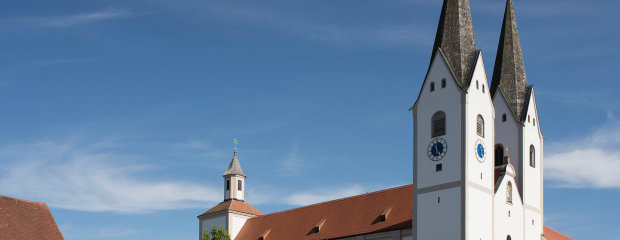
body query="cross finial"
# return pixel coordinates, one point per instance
(235, 142)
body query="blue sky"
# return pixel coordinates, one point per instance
(120, 114)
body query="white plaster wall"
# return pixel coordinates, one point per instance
(442, 99)
(209, 222)
(236, 222)
(234, 192)
(479, 103)
(507, 133)
(504, 224)
(439, 220)
(532, 176)
(532, 231)
(479, 214)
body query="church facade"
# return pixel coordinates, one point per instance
(477, 154)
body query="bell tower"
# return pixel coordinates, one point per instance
(234, 179)
(453, 116)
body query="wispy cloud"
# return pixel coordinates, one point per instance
(115, 232)
(292, 164)
(322, 195)
(75, 19)
(92, 177)
(589, 162)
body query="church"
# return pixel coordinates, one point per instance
(477, 158)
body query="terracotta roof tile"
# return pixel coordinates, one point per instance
(551, 234)
(339, 218)
(343, 217)
(234, 205)
(26, 220)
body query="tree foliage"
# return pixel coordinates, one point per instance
(216, 234)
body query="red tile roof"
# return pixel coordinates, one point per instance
(234, 205)
(551, 234)
(26, 220)
(343, 217)
(339, 218)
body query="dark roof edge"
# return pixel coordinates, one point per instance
(526, 104)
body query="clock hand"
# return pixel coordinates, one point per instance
(435, 147)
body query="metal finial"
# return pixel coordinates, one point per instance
(235, 142)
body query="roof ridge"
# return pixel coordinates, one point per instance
(335, 200)
(24, 200)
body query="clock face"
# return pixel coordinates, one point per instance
(480, 151)
(437, 149)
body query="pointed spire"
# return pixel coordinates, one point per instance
(235, 167)
(455, 37)
(509, 72)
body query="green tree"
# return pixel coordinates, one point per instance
(216, 234)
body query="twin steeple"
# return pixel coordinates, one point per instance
(509, 71)
(455, 38)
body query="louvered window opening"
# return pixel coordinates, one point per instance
(480, 126)
(439, 124)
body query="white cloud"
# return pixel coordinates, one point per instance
(76, 19)
(591, 161)
(115, 233)
(312, 197)
(92, 177)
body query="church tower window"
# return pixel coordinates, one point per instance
(509, 192)
(432, 86)
(480, 126)
(239, 185)
(483, 88)
(532, 156)
(443, 83)
(499, 155)
(438, 124)
(503, 117)
(227, 184)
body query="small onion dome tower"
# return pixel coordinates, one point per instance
(234, 179)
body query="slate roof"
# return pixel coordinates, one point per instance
(344, 217)
(234, 205)
(509, 71)
(235, 167)
(455, 37)
(26, 220)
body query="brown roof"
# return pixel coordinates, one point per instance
(339, 218)
(234, 205)
(343, 217)
(26, 220)
(551, 234)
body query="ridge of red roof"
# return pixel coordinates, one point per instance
(234, 205)
(24, 220)
(344, 217)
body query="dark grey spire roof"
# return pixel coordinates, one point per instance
(455, 37)
(509, 72)
(235, 167)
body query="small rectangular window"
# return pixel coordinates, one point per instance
(438, 167)
(443, 83)
(227, 184)
(483, 88)
(239, 185)
(503, 117)
(432, 86)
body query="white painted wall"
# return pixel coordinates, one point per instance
(236, 222)
(439, 220)
(207, 223)
(532, 176)
(234, 192)
(507, 133)
(504, 224)
(447, 100)
(479, 214)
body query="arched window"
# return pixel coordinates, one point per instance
(499, 155)
(508, 238)
(443, 83)
(509, 192)
(532, 156)
(432, 86)
(480, 126)
(438, 124)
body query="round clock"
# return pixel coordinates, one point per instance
(480, 150)
(437, 149)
